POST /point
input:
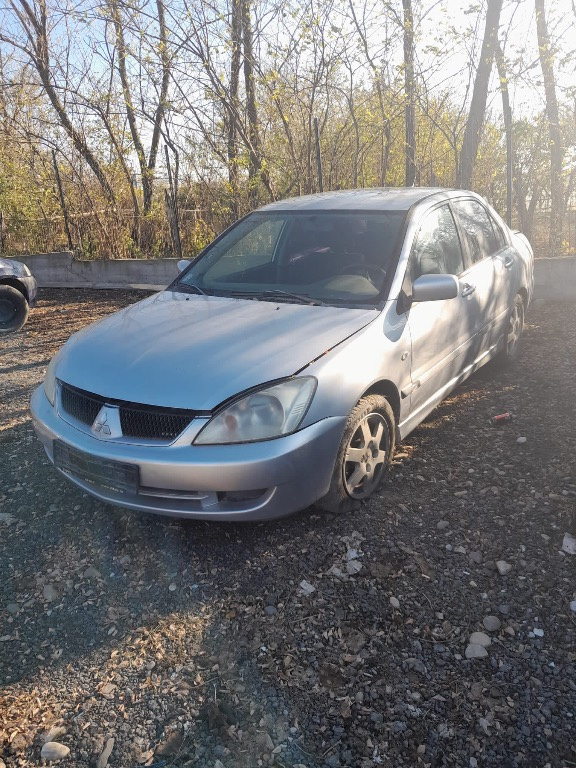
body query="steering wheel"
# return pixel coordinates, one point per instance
(367, 269)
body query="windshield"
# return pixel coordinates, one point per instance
(336, 257)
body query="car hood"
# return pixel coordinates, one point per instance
(185, 351)
(11, 267)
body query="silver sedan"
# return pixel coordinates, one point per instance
(284, 363)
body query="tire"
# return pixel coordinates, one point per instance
(13, 309)
(361, 462)
(512, 335)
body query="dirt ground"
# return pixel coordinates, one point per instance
(315, 641)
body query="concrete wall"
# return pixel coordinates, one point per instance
(61, 270)
(555, 278)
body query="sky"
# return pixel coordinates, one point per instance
(518, 35)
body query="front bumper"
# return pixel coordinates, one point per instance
(251, 481)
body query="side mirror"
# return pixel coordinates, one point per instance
(182, 264)
(435, 288)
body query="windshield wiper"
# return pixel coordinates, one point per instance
(301, 298)
(270, 295)
(190, 288)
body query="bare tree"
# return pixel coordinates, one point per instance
(234, 87)
(507, 113)
(385, 118)
(33, 20)
(202, 31)
(255, 165)
(147, 164)
(476, 114)
(410, 111)
(235, 63)
(552, 113)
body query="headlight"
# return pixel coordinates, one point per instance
(261, 415)
(50, 379)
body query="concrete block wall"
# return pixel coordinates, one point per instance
(555, 279)
(62, 270)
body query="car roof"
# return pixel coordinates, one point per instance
(376, 199)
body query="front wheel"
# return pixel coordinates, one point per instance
(13, 309)
(364, 455)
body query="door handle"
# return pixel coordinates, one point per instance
(467, 289)
(508, 262)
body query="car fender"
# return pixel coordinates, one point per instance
(375, 359)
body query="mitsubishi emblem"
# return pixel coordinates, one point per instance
(101, 423)
(107, 424)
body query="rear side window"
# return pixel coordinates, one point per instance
(478, 229)
(436, 248)
(501, 241)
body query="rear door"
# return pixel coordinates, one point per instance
(492, 272)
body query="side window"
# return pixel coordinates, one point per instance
(437, 248)
(477, 226)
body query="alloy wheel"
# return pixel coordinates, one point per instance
(515, 326)
(366, 456)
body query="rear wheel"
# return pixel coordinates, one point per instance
(513, 334)
(364, 455)
(13, 309)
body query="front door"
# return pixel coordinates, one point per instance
(442, 332)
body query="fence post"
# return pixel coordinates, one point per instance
(172, 209)
(62, 201)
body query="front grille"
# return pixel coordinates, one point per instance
(136, 420)
(155, 424)
(81, 405)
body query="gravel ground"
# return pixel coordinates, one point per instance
(315, 641)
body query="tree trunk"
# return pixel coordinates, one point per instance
(409, 110)
(507, 112)
(526, 209)
(130, 112)
(235, 61)
(162, 97)
(112, 134)
(476, 115)
(556, 151)
(251, 110)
